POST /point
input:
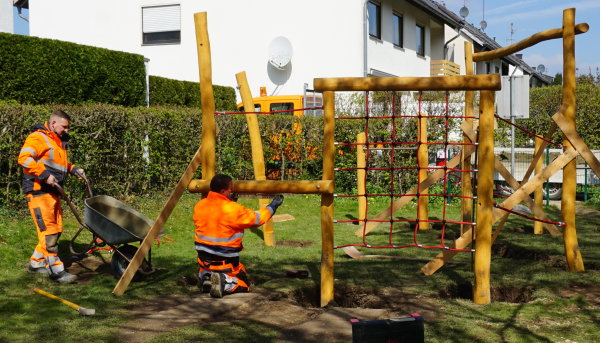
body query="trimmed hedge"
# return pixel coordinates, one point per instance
(171, 92)
(135, 151)
(46, 71)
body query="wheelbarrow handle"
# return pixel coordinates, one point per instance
(69, 202)
(87, 185)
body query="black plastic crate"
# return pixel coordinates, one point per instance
(395, 330)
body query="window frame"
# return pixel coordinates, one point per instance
(166, 37)
(398, 29)
(420, 52)
(377, 7)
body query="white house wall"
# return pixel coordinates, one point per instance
(327, 36)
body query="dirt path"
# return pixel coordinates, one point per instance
(295, 323)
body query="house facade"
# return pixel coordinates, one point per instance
(328, 38)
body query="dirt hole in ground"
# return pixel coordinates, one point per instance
(508, 251)
(509, 294)
(349, 296)
(295, 244)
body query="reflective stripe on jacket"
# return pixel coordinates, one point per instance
(220, 224)
(43, 154)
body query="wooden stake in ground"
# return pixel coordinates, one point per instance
(141, 253)
(258, 160)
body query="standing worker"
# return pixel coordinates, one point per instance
(45, 164)
(220, 223)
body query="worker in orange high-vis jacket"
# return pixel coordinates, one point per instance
(220, 223)
(45, 163)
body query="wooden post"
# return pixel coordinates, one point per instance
(538, 195)
(327, 200)
(572, 252)
(466, 186)
(361, 164)
(423, 154)
(485, 187)
(207, 98)
(258, 160)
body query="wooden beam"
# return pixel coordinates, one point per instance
(327, 271)
(569, 184)
(446, 83)
(525, 43)
(207, 99)
(142, 251)
(258, 160)
(467, 183)
(270, 186)
(485, 193)
(361, 185)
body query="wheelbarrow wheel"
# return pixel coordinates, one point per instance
(119, 264)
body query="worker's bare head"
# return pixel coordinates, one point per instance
(222, 183)
(59, 122)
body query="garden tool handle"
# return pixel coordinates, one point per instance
(69, 202)
(87, 185)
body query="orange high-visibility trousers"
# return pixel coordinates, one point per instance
(46, 211)
(236, 278)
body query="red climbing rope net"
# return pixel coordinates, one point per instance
(403, 138)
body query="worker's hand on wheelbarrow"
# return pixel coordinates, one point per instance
(51, 180)
(79, 172)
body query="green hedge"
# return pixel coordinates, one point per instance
(110, 142)
(171, 92)
(46, 71)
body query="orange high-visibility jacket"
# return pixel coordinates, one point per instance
(43, 154)
(220, 224)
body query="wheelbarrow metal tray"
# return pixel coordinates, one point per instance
(114, 221)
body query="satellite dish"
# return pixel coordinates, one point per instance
(483, 25)
(541, 68)
(280, 52)
(464, 12)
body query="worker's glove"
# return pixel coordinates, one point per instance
(275, 203)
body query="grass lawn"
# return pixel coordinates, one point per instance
(543, 302)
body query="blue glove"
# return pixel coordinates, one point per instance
(275, 203)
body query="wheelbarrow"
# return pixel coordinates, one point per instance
(111, 223)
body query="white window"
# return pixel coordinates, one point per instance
(161, 25)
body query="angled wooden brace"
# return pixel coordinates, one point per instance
(466, 238)
(539, 213)
(573, 137)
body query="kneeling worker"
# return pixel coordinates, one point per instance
(220, 223)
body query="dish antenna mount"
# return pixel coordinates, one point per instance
(280, 52)
(541, 68)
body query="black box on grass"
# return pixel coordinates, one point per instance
(395, 330)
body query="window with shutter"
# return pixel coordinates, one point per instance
(161, 25)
